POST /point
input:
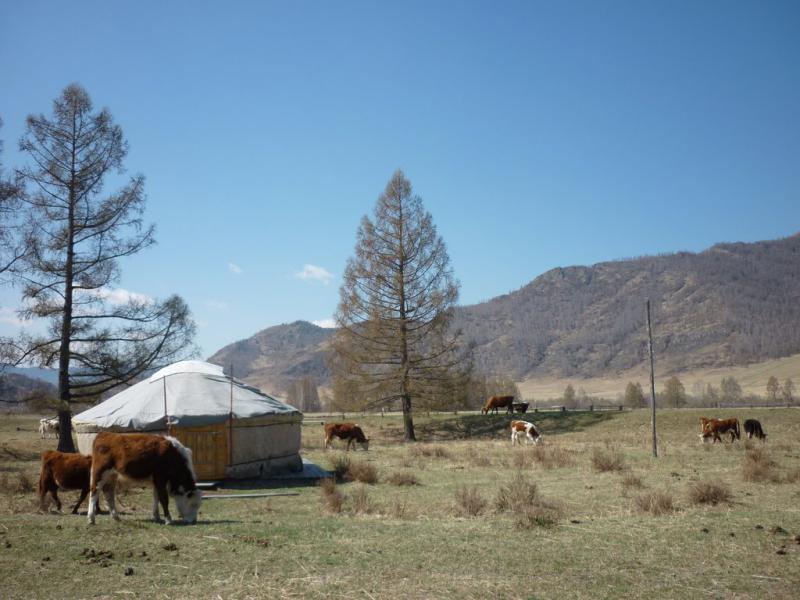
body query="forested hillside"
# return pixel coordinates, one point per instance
(731, 304)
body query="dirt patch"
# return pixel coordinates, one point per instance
(250, 539)
(101, 558)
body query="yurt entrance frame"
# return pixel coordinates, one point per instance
(212, 445)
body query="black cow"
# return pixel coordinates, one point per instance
(753, 428)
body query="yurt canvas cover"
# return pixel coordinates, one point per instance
(192, 400)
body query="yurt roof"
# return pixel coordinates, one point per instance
(197, 393)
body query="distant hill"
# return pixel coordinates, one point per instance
(16, 388)
(48, 375)
(732, 304)
(729, 305)
(273, 358)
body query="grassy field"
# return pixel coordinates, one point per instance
(587, 514)
(753, 379)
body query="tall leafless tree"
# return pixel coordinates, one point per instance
(394, 341)
(76, 235)
(12, 247)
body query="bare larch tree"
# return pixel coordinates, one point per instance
(75, 235)
(394, 341)
(12, 247)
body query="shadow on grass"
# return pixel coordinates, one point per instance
(493, 426)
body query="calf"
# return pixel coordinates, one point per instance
(161, 461)
(520, 428)
(345, 431)
(495, 402)
(753, 428)
(62, 471)
(47, 427)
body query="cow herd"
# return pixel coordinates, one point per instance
(166, 464)
(712, 429)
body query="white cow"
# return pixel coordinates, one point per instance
(48, 427)
(520, 428)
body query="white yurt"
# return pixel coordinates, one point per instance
(233, 429)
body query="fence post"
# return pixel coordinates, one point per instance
(563, 409)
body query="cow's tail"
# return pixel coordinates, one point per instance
(736, 429)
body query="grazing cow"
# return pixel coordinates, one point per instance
(753, 428)
(495, 402)
(714, 427)
(162, 461)
(47, 427)
(345, 431)
(520, 428)
(63, 471)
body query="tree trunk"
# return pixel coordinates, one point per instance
(408, 422)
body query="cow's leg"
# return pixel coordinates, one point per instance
(156, 515)
(108, 484)
(93, 499)
(163, 498)
(84, 493)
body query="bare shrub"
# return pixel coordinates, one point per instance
(363, 472)
(551, 457)
(610, 459)
(469, 501)
(362, 504)
(758, 466)
(536, 516)
(401, 478)
(709, 492)
(340, 465)
(657, 503)
(332, 499)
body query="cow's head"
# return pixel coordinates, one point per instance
(365, 444)
(188, 503)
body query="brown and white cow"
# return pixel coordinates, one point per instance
(345, 431)
(712, 428)
(495, 402)
(63, 471)
(159, 460)
(48, 427)
(524, 428)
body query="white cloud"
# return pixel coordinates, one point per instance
(314, 273)
(9, 317)
(234, 268)
(118, 296)
(325, 323)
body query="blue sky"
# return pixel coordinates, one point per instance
(538, 134)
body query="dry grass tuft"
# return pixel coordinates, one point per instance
(520, 460)
(332, 499)
(657, 503)
(430, 451)
(759, 467)
(631, 480)
(551, 457)
(401, 478)
(608, 460)
(362, 504)
(521, 498)
(469, 502)
(478, 459)
(21, 484)
(363, 472)
(709, 492)
(398, 509)
(340, 465)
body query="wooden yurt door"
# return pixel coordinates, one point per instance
(209, 445)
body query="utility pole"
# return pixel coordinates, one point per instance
(652, 379)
